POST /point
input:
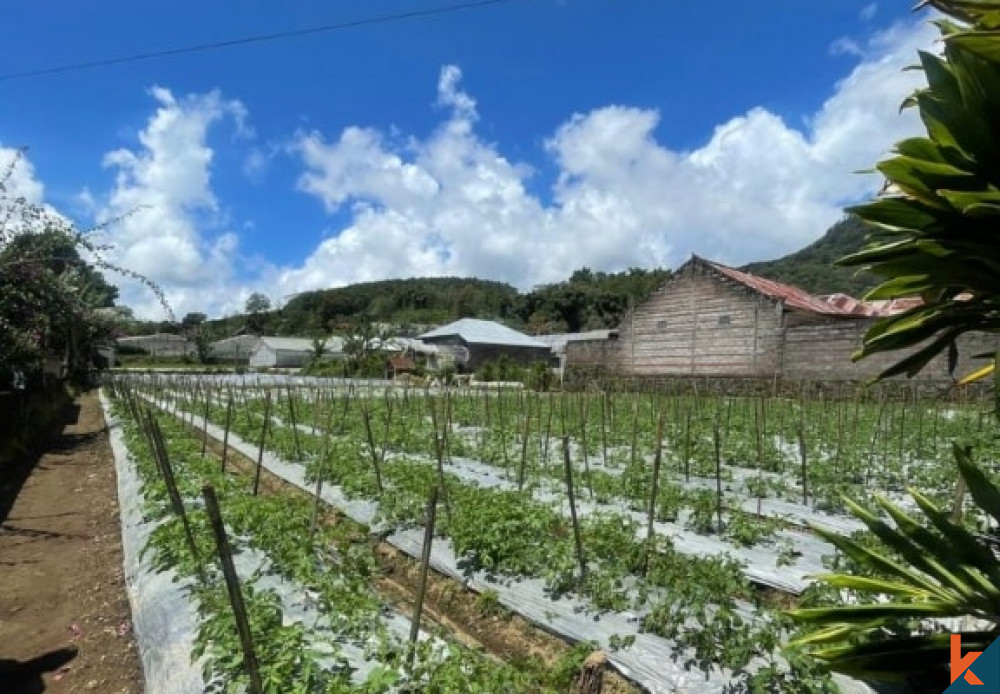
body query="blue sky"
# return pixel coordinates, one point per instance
(517, 142)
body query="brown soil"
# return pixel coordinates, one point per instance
(471, 619)
(65, 622)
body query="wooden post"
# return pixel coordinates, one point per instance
(717, 445)
(295, 424)
(687, 444)
(366, 417)
(525, 432)
(572, 510)
(802, 459)
(233, 588)
(320, 471)
(591, 678)
(425, 562)
(204, 422)
(263, 439)
(162, 459)
(654, 488)
(225, 433)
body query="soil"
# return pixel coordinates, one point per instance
(471, 619)
(65, 621)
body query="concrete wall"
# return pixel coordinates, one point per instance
(823, 351)
(699, 324)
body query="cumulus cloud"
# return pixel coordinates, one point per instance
(163, 219)
(18, 176)
(452, 203)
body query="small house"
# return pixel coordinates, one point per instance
(235, 349)
(157, 345)
(471, 342)
(291, 352)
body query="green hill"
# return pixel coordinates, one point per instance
(812, 267)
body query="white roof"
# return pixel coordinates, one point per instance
(558, 341)
(170, 337)
(301, 344)
(483, 332)
(402, 344)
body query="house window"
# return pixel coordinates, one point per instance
(661, 325)
(725, 320)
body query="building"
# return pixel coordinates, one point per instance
(589, 340)
(157, 345)
(291, 352)
(235, 349)
(714, 320)
(470, 342)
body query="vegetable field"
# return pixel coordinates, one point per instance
(669, 530)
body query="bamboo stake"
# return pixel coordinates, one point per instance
(654, 489)
(263, 439)
(425, 562)
(572, 510)
(162, 459)
(225, 432)
(233, 588)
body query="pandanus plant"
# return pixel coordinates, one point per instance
(936, 225)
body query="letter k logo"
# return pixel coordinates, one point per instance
(960, 665)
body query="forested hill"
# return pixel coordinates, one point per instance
(588, 300)
(812, 267)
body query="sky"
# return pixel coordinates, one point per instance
(517, 141)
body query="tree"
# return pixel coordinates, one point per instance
(257, 305)
(193, 320)
(935, 236)
(51, 297)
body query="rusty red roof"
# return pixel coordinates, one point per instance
(796, 298)
(793, 297)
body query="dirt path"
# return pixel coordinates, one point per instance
(61, 583)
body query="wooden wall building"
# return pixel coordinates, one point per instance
(713, 320)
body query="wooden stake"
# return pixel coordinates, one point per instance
(425, 563)
(225, 433)
(572, 510)
(233, 588)
(263, 439)
(162, 459)
(654, 488)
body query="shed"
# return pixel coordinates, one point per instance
(713, 320)
(158, 345)
(291, 352)
(471, 342)
(234, 349)
(559, 344)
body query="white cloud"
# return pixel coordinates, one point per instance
(170, 227)
(868, 12)
(451, 203)
(18, 175)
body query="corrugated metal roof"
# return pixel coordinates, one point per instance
(161, 337)
(483, 332)
(793, 297)
(301, 344)
(402, 344)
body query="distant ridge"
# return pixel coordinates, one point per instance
(811, 268)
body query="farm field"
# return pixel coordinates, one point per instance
(668, 529)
